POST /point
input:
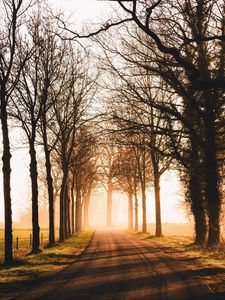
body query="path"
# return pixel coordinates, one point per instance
(117, 266)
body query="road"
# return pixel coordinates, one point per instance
(119, 266)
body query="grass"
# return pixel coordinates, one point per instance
(23, 236)
(215, 256)
(209, 259)
(32, 269)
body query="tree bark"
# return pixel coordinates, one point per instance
(198, 210)
(78, 220)
(130, 211)
(73, 204)
(62, 210)
(49, 180)
(6, 169)
(136, 209)
(65, 207)
(68, 215)
(156, 173)
(158, 225)
(197, 203)
(51, 239)
(86, 209)
(34, 189)
(109, 203)
(144, 219)
(212, 192)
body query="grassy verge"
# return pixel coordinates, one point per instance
(212, 261)
(214, 257)
(32, 269)
(22, 239)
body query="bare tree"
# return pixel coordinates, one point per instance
(84, 170)
(28, 108)
(71, 111)
(132, 93)
(194, 45)
(13, 12)
(193, 51)
(34, 96)
(52, 65)
(107, 157)
(125, 172)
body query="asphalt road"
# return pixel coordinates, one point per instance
(119, 266)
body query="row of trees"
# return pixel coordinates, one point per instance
(168, 82)
(47, 86)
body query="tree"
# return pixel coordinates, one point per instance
(132, 109)
(34, 98)
(125, 172)
(84, 172)
(150, 123)
(71, 112)
(13, 11)
(193, 29)
(28, 108)
(168, 131)
(108, 154)
(52, 61)
(188, 49)
(177, 127)
(90, 181)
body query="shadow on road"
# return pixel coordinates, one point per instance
(117, 266)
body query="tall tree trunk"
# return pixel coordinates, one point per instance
(78, 220)
(212, 192)
(73, 204)
(144, 219)
(158, 228)
(6, 169)
(66, 200)
(109, 202)
(34, 189)
(68, 217)
(49, 180)
(136, 209)
(81, 216)
(51, 239)
(158, 222)
(130, 211)
(62, 210)
(197, 203)
(143, 191)
(198, 210)
(86, 208)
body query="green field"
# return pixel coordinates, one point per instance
(24, 241)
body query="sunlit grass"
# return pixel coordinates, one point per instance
(33, 268)
(213, 257)
(24, 241)
(209, 260)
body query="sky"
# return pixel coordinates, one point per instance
(83, 10)
(79, 12)
(171, 208)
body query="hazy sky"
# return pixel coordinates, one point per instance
(83, 9)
